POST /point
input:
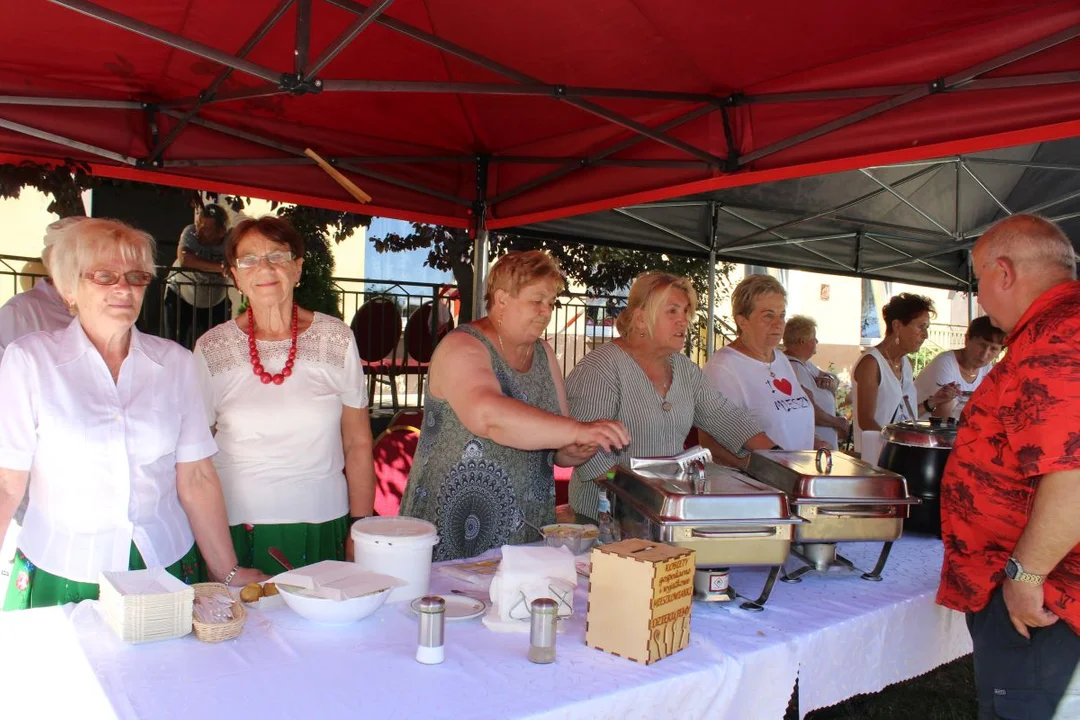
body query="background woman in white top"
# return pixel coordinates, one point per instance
(110, 423)
(800, 344)
(754, 375)
(644, 380)
(965, 368)
(286, 398)
(882, 384)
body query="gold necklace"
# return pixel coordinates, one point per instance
(502, 350)
(767, 363)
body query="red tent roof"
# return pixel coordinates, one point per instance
(539, 109)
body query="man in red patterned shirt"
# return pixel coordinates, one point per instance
(1010, 495)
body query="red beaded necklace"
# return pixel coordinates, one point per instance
(256, 364)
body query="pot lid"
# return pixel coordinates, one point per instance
(722, 493)
(921, 433)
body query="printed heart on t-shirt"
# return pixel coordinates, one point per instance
(783, 385)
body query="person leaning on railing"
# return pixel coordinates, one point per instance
(496, 419)
(286, 396)
(110, 424)
(643, 380)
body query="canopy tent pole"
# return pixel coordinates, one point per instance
(710, 335)
(480, 239)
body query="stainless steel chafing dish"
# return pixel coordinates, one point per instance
(725, 516)
(845, 500)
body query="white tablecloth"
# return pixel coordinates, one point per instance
(840, 635)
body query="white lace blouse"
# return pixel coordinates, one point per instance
(280, 455)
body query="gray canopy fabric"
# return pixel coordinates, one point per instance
(911, 223)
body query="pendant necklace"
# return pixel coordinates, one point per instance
(665, 405)
(502, 350)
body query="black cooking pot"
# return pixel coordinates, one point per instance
(918, 450)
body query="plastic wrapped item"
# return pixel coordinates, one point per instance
(213, 609)
(577, 539)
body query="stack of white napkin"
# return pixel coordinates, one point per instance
(525, 574)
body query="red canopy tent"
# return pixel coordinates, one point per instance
(462, 111)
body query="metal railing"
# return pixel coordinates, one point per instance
(947, 337)
(579, 323)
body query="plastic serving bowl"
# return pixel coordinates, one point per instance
(334, 612)
(577, 539)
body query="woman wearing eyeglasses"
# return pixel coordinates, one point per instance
(110, 424)
(287, 401)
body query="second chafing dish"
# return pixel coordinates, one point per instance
(725, 516)
(845, 500)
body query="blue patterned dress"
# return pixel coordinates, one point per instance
(479, 493)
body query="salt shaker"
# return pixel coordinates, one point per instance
(432, 610)
(542, 630)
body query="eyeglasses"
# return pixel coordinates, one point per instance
(135, 278)
(278, 257)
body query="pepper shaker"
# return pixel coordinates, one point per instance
(432, 610)
(542, 630)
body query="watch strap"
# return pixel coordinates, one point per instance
(1019, 575)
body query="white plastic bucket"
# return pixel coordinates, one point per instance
(397, 546)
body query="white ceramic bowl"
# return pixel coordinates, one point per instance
(335, 612)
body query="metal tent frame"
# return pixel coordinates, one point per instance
(660, 115)
(910, 222)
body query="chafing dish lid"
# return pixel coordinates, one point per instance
(726, 494)
(921, 433)
(802, 474)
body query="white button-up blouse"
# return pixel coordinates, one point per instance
(102, 454)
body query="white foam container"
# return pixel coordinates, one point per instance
(397, 546)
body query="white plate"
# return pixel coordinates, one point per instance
(458, 607)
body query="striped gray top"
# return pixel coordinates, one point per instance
(609, 384)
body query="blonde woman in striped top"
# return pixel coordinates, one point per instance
(643, 379)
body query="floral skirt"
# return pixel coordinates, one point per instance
(302, 543)
(32, 587)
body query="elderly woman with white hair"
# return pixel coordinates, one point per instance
(110, 424)
(643, 379)
(800, 344)
(757, 377)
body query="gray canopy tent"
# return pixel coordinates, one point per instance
(912, 222)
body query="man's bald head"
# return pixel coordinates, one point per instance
(1033, 244)
(1016, 261)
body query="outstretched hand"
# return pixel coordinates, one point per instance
(611, 435)
(576, 454)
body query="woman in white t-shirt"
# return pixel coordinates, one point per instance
(109, 423)
(965, 368)
(800, 344)
(882, 384)
(285, 393)
(754, 375)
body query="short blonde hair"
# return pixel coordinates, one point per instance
(517, 270)
(750, 289)
(799, 329)
(87, 242)
(649, 293)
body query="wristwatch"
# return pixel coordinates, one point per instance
(1015, 571)
(929, 408)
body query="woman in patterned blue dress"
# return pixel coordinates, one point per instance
(496, 419)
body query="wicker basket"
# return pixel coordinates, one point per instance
(216, 632)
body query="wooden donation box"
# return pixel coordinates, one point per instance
(640, 594)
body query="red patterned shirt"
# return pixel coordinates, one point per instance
(1023, 422)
